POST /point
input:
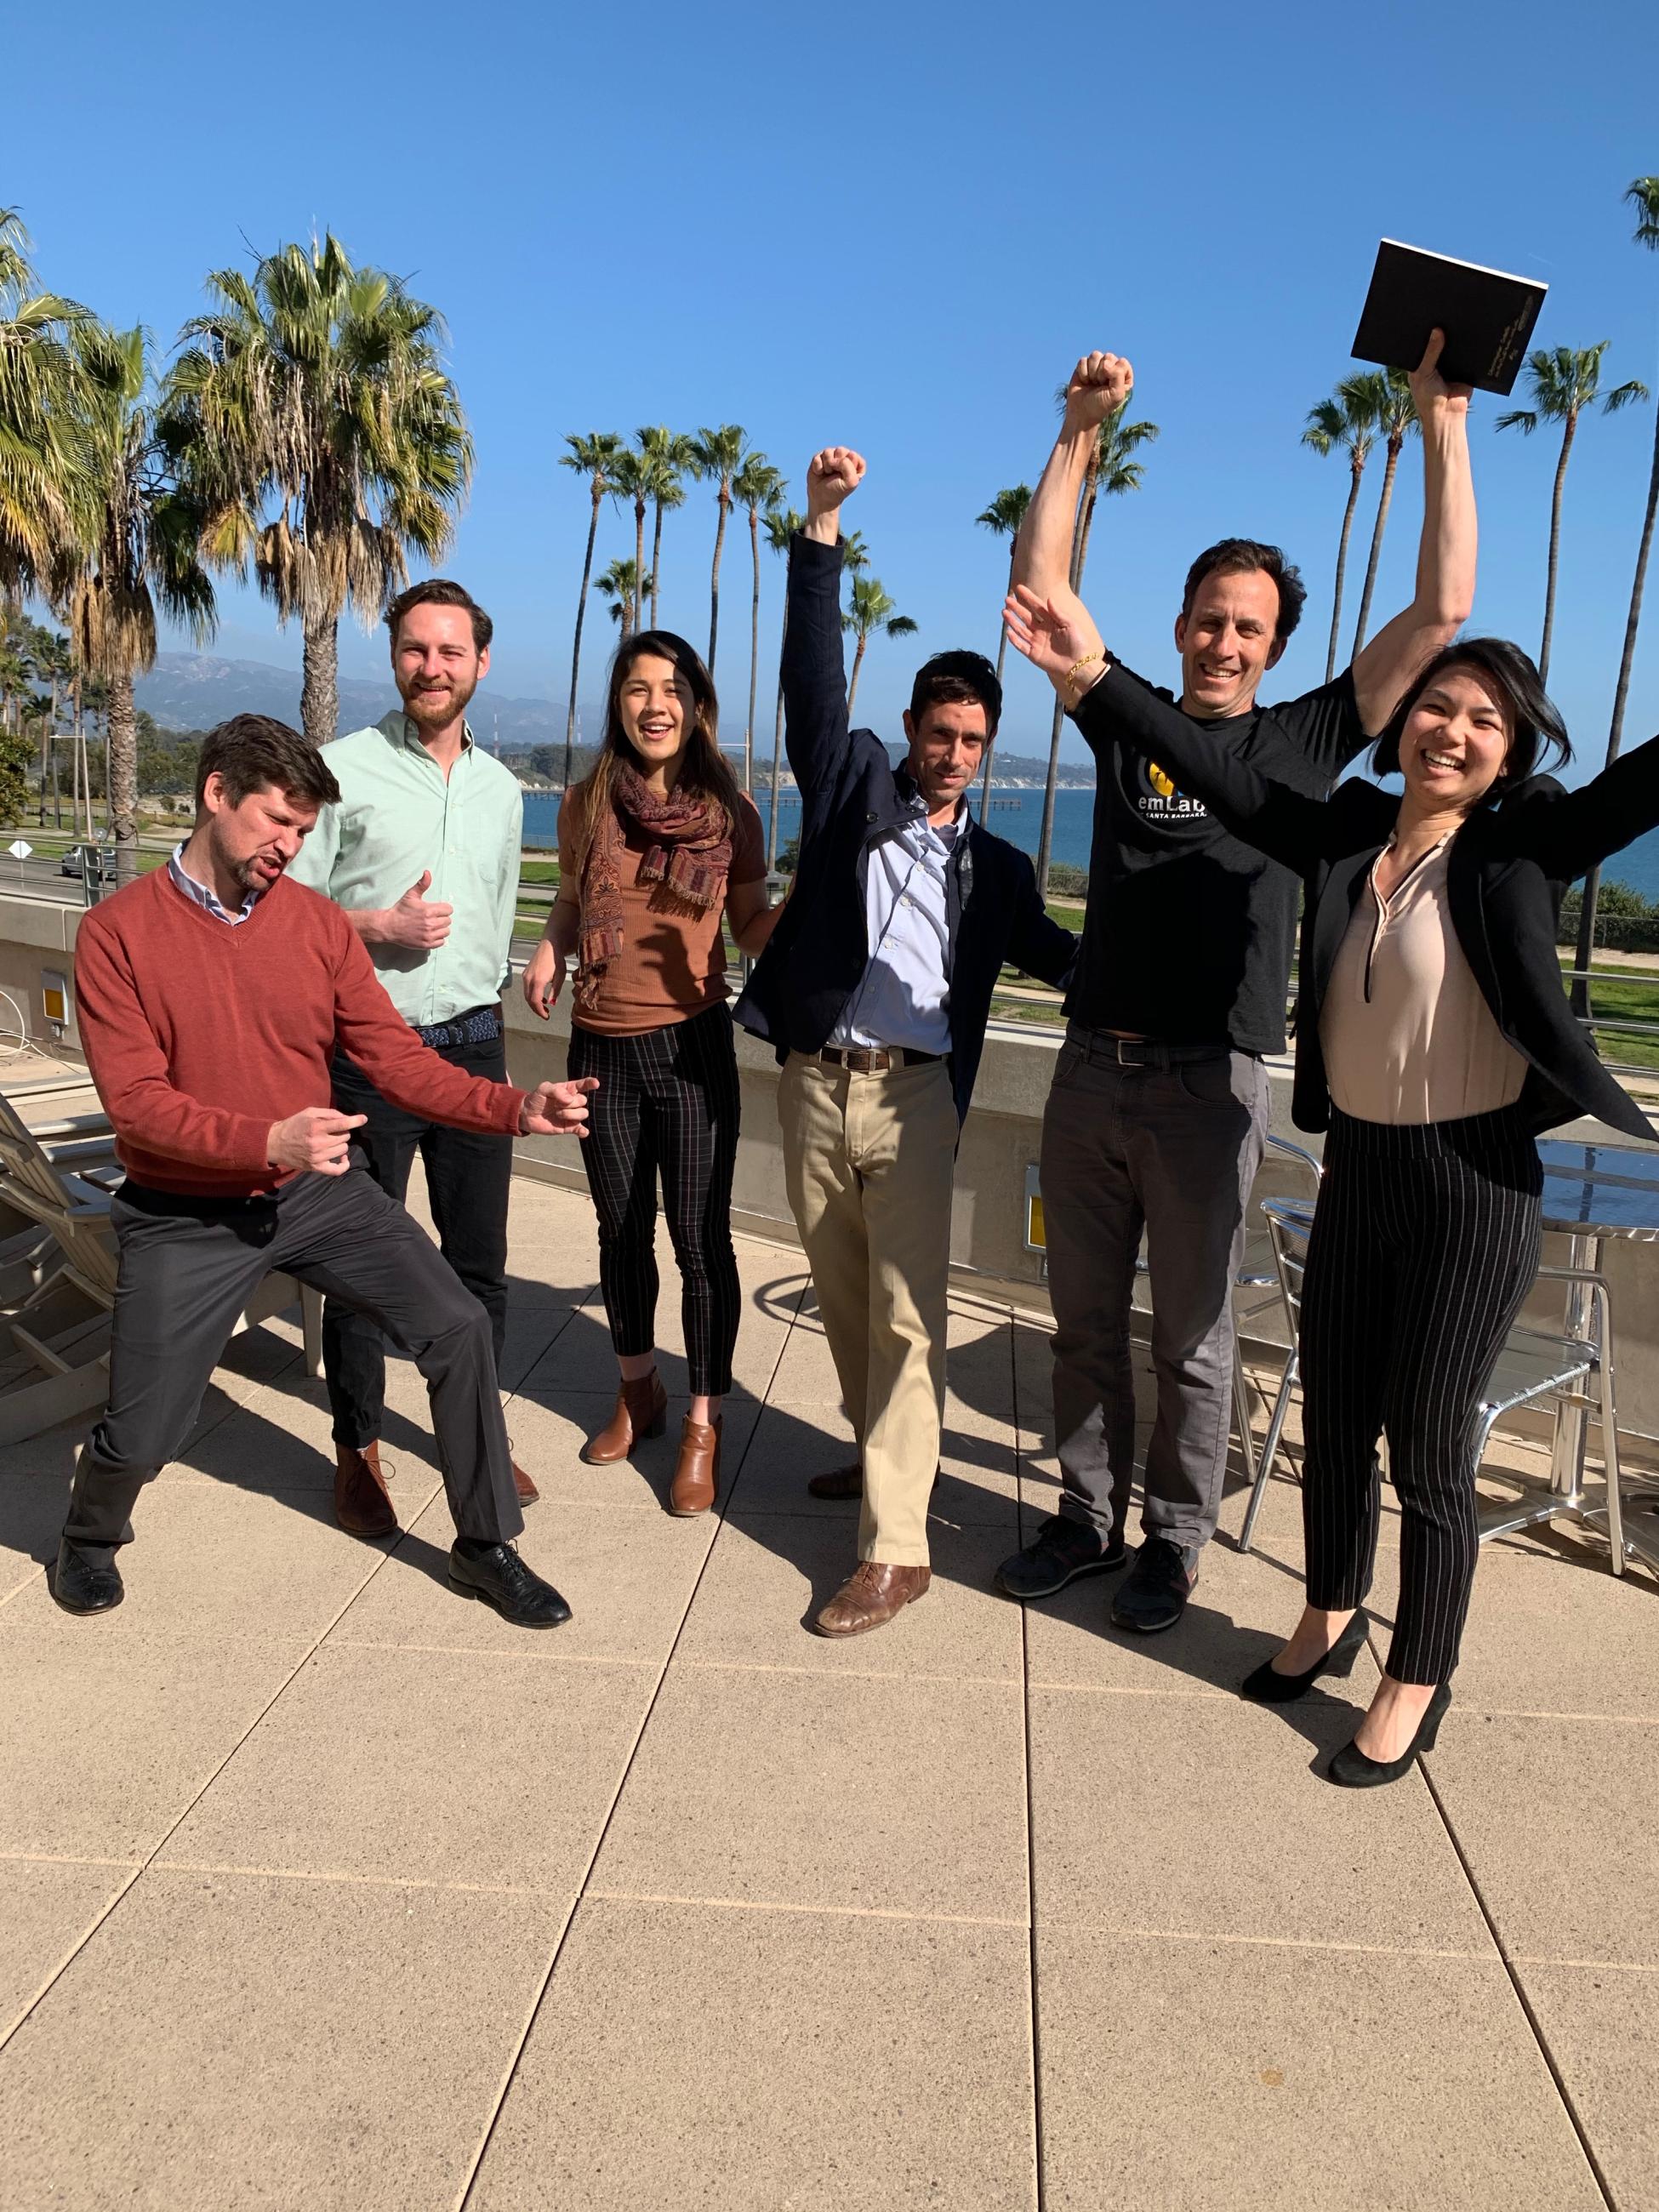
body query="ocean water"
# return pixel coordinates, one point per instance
(1018, 816)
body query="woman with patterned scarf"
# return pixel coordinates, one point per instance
(655, 846)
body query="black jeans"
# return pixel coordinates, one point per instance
(667, 1105)
(189, 1266)
(468, 1174)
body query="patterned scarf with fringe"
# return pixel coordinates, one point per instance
(690, 850)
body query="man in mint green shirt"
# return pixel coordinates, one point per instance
(423, 855)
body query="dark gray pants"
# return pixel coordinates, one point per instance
(189, 1266)
(1172, 1150)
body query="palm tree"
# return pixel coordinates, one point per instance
(1564, 382)
(667, 451)
(1002, 519)
(54, 661)
(621, 584)
(716, 456)
(1344, 420)
(311, 416)
(1644, 196)
(1383, 396)
(757, 486)
(145, 554)
(1112, 470)
(45, 491)
(630, 485)
(855, 559)
(779, 527)
(870, 613)
(592, 456)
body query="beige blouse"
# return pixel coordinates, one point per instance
(1408, 1038)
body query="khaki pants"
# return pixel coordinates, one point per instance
(869, 1161)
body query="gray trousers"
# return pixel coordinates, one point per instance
(187, 1268)
(1172, 1150)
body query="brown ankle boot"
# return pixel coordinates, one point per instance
(362, 1504)
(697, 1470)
(641, 1411)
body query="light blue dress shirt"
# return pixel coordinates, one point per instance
(199, 893)
(903, 998)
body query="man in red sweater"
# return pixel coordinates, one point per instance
(211, 996)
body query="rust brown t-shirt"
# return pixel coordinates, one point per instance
(672, 962)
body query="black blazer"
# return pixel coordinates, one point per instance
(1509, 866)
(851, 794)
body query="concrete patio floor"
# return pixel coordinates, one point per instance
(319, 1887)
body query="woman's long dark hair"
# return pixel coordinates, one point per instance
(703, 772)
(1513, 675)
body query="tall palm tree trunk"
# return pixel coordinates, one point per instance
(656, 564)
(853, 687)
(1555, 549)
(754, 656)
(637, 610)
(1002, 655)
(1380, 524)
(1341, 571)
(777, 756)
(1581, 998)
(576, 647)
(319, 692)
(714, 582)
(121, 772)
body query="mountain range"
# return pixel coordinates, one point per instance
(194, 690)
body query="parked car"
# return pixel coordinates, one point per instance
(97, 861)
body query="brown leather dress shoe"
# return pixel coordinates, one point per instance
(697, 1470)
(847, 1482)
(362, 1504)
(641, 1411)
(870, 1596)
(526, 1489)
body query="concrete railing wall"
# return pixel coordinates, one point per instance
(999, 1143)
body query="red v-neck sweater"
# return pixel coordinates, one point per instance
(200, 1034)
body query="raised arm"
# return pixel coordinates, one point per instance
(1445, 554)
(1099, 384)
(814, 669)
(1111, 706)
(1568, 833)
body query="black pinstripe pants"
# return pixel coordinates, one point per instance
(667, 1105)
(1424, 1242)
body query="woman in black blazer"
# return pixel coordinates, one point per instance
(1433, 1042)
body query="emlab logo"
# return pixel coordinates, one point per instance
(1161, 802)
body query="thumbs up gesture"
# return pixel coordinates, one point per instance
(416, 921)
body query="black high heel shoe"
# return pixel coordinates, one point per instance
(1353, 1769)
(1268, 1686)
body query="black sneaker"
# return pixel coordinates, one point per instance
(1160, 1583)
(1061, 1550)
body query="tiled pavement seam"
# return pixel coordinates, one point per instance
(582, 1892)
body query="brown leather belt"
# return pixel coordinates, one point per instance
(874, 1060)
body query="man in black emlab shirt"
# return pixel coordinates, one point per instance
(1157, 1112)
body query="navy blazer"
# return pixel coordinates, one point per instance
(1509, 865)
(851, 794)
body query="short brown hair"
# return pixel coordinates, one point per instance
(958, 679)
(439, 592)
(255, 752)
(1243, 556)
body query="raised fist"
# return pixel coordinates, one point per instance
(1431, 393)
(832, 476)
(1099, 385)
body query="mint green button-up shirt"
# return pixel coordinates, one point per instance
(400, 816)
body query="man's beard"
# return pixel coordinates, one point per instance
(438, 708)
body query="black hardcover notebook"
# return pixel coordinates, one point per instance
(1488, 317)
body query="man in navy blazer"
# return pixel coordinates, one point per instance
(876, 990)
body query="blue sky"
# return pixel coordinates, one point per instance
(895, 228)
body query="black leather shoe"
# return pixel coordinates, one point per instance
(1353, 1769)
(1268, 1686)
(84, 1585)
(495, 1573)
(1061, 1551)
(1160, 1583)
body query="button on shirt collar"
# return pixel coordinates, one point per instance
(199, 895)
(902, 999)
